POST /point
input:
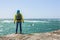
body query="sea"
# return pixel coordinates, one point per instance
(29, 26)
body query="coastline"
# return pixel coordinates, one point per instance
(55, 35)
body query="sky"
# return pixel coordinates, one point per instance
(30, 8)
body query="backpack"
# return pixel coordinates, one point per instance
(18, 17)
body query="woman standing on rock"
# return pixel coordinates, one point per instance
(18, 19)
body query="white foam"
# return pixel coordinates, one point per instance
(36, 21)
(32, 24)
(8, 21)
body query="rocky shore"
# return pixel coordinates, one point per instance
(55, 35)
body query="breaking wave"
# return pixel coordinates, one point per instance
(9, 21)
(37, 21)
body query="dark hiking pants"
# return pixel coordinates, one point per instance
(20, 26)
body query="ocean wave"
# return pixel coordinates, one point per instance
(37, 21)
(9, 21)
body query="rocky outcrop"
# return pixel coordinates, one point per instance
(36, 36)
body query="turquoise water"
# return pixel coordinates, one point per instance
(30, 26)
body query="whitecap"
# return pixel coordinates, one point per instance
(7, 21)
(32, 24)
(37, 21)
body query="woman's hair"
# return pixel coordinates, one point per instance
(18, 11)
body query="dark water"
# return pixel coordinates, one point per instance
(30, 26)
